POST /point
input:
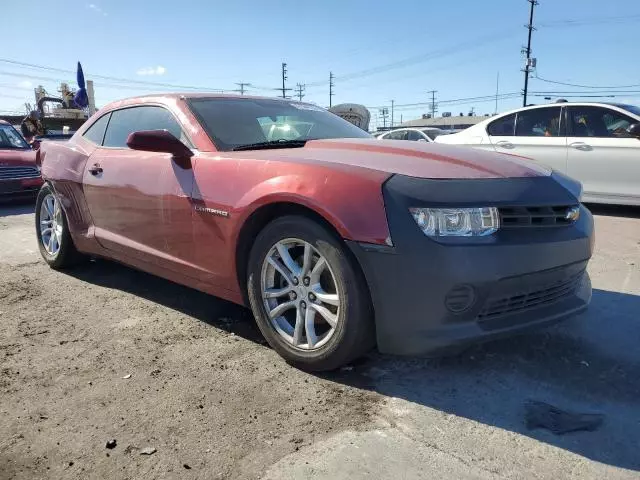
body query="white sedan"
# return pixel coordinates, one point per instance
(422, 134)
(595, 143)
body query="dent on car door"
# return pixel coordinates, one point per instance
(603, 155)
(537, 133)
(140, 201)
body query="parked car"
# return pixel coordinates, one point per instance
(19, 174)
(426, 134)
(337, 241)
(595, 143)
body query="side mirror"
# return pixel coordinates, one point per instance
(161, 141)
(634, 130)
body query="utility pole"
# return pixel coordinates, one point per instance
(495, 111)
(331, 92)
(529, 62)
(300, 87)
(284, 79)
(384, 113)
(434, 108)
(392, 102)
(241, 87)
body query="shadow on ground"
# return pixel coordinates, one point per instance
(565, 366)
(206, 308)
(8, 209)
(614, 210)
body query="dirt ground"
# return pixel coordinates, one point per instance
(104, 352)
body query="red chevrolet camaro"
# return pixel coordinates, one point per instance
(19, 174)
(337, 241)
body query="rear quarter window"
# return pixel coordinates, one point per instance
(95, 133)
(503, 127)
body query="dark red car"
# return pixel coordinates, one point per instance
(337, 241)
(19, 175)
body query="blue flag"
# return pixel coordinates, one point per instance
(81, 99)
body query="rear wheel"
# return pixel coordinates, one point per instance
(309, 300)
(54, 240)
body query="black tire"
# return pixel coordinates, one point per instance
(355, 330)
(67, 255)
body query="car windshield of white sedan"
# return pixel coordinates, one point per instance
(10, 138)
(234, 123)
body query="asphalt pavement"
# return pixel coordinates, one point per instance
(450, 418)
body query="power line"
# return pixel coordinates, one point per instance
(461, 47)
(104, 77)
(453, 101)
(99, 84)
(579, 22)
(582, 86)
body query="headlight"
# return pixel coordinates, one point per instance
(457, 222)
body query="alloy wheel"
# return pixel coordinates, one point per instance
(300, 294)
(51, 224)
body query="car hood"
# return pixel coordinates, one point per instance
(414, 159)
(17, 158)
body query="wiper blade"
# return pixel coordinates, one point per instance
(272, 144)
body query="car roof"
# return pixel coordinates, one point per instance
(186, 95)
(4, 122)
(559, 104)
(173, 97)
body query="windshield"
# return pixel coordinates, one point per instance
(631, 108)
(234, 122)
(10, 138)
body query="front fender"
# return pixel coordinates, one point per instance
(352, 203)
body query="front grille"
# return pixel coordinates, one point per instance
(13, 173)
(514, 217)
(538, 296)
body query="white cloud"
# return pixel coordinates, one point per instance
(159, 70)
(97, 9)
(25, 84)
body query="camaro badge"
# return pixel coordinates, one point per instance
(572, 214)
(213, 211)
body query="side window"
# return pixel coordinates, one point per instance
(415, 136)
(95, 133)
(401, 135)
(128, 120)
(539, 122)
(503, 127)
(391, 136)
(598, 122)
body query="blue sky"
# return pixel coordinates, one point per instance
(378, 51)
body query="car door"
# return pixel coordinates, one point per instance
(537, 133)
(602, 155)
(140, 202)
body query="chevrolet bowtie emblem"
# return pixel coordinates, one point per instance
(572, 214)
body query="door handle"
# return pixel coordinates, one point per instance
(581, 146)
(504, 144)
(96, 169)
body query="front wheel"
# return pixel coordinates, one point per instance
(54, 240)
(308, 297)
